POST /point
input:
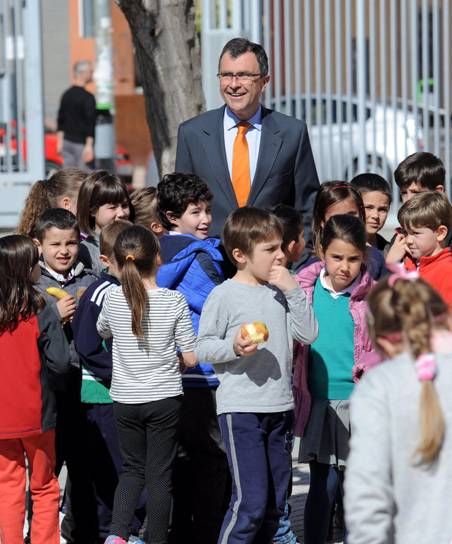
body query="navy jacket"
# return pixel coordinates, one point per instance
(93, 350)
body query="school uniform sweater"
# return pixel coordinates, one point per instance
(331, 362)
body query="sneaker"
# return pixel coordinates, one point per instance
(113, 539)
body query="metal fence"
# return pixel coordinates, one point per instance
(21, 106)
(370, 77)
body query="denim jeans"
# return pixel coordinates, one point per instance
(284, 534)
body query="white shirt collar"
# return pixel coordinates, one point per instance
(332, 292)
(231, 120)
(60, 277)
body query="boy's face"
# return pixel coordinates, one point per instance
(425, 242)
(376, 205)
(294, 250)
(59, 249)
(195, 220)
(263, 257)
(407, 193)
(107, 213)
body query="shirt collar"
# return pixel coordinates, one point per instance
(336, 294)
(231, 120)
(60, 277)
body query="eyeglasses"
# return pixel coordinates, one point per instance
(241, 77)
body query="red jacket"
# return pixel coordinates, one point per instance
(34, 350)
(437, 271)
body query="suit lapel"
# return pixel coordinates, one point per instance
(269, 147)
(213, 141)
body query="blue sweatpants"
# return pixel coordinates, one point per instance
(258, 447)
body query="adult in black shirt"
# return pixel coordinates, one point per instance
(77, 119)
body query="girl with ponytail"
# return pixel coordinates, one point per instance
(399, 474)
(59, 191)
(151, 329)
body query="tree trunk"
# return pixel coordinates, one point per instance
(168, 55)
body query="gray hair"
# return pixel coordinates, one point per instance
(81, 66)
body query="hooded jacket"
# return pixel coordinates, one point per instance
(192, 267)
(364, 354)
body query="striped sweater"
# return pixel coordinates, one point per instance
(147, 369)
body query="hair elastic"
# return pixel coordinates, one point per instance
(130, 257)
(425, 367)
(400, 273)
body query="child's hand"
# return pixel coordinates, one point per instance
(280, 277)
(188, 359)
(398, 249)
(243, 346)
(66, 307)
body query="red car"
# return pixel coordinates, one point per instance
(54, 161)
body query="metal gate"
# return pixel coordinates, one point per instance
(21, 105)
(370, 77)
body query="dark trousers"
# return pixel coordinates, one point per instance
(325, 482)
(202, 486)
(258, 447)
(105, 464)
(79, 525)
(148, 442)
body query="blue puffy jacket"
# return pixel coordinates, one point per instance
(193, 267)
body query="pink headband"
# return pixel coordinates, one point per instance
(425, 367)
(399, 272)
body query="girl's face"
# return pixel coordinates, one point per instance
(344, 207)
(107, 213)
(343, 263)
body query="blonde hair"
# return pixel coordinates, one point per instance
(413, 308)
(144, 202)
(426, 210)
(45, 193)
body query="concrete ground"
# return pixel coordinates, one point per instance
(297, 501)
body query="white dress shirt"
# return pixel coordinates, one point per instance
(253, 137)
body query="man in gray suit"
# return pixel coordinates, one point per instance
(275, 150)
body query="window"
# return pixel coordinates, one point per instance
(86, 18)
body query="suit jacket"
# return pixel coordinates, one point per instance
(285, 171)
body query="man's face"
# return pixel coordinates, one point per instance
(59, 249)
(242, 97)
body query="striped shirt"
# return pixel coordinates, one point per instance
(147, 369)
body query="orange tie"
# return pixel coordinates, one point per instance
(241, 180)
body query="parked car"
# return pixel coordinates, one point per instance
(337, 138)
(53, 160)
